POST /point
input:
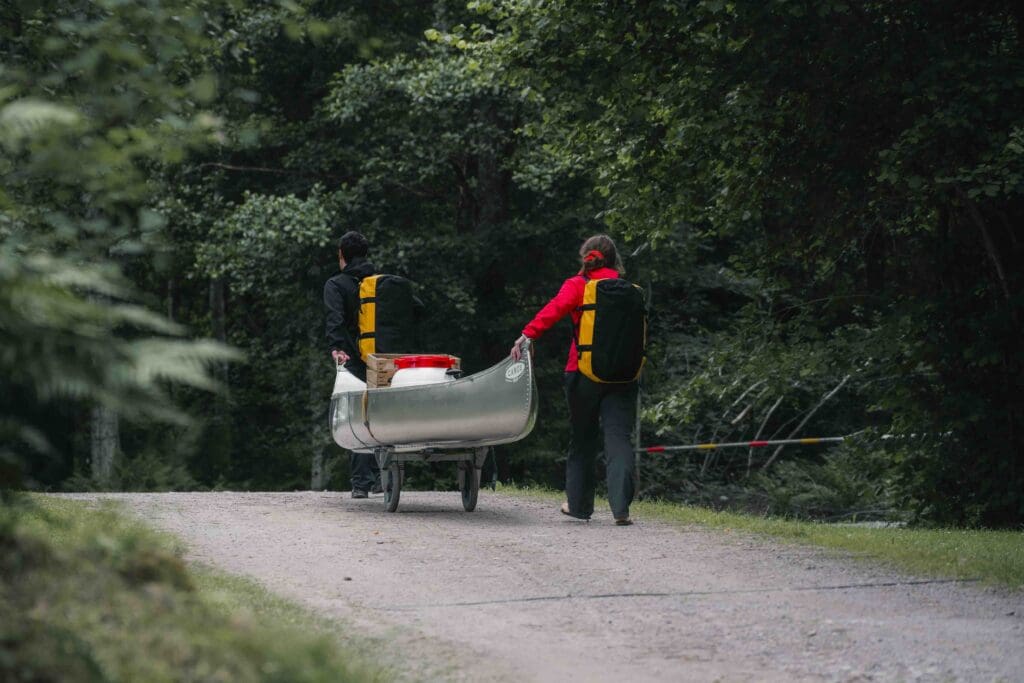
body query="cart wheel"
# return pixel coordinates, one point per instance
(469, 484)
(393, 479)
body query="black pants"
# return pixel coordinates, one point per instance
(365, 473)
(595, 409)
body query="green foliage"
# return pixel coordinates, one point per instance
(265, 240)
(92, 95)
(61, 337)
(864, 156)
(818, 195)
(418, 152)
(65, 339)
(86, 595)
(150, 470)
(851, 483)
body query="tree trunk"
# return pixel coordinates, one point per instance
(172, 292)
(105, 443)
(319, 397)
(219, 327)
(218, 454)
(218, 310)
(320, 474)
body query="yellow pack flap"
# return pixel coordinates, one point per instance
(585, 339)
(367, 316)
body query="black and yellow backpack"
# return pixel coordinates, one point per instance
(386, 315)
(611, 339)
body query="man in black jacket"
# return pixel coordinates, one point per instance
(341, 297)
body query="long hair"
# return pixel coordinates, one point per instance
(597, 252)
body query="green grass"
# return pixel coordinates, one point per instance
(91, 595)
(994, 557)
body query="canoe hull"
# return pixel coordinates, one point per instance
(495, 406)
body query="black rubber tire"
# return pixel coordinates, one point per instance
(394, 475)
(469, 485)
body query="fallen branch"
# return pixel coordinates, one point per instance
(744, 394)
(743, 414)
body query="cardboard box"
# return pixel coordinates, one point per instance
(380, 367)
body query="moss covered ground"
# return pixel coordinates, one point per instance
(89, 594)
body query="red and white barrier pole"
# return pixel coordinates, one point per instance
(743, 444)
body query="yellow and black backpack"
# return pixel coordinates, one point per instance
(386, 315)
(611, 339)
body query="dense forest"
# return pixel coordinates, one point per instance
(823, 200)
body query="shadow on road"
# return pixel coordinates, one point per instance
(450, 512)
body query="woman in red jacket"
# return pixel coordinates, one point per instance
(593, 407)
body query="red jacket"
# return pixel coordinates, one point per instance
(568, 300)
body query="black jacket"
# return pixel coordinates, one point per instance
(341, 297)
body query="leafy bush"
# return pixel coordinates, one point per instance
(92, 96)
(850, 483)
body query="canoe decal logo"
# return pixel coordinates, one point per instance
(515, 371)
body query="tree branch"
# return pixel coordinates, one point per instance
(986, 236)
(823, 401)
(274, 171)
(709, 456)
(750, 452)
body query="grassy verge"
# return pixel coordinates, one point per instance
(91, 595)
(995, 557)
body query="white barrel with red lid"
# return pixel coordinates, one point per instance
(422, 369)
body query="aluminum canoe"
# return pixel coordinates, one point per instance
(495, 406)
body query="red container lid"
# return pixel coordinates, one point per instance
(424, 362)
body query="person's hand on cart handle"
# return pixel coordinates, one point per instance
(517, 348)
(339, 356)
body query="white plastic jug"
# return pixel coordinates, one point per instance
(346, 381)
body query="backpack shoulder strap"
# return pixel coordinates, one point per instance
(356, 280)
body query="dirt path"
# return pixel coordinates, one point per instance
(516, 591)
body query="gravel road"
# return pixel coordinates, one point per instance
(515, 591)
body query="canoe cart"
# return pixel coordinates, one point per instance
(454, 421)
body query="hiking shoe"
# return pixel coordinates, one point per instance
(356, 493)
(377, 488)
(565, 511)
(624, 521)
